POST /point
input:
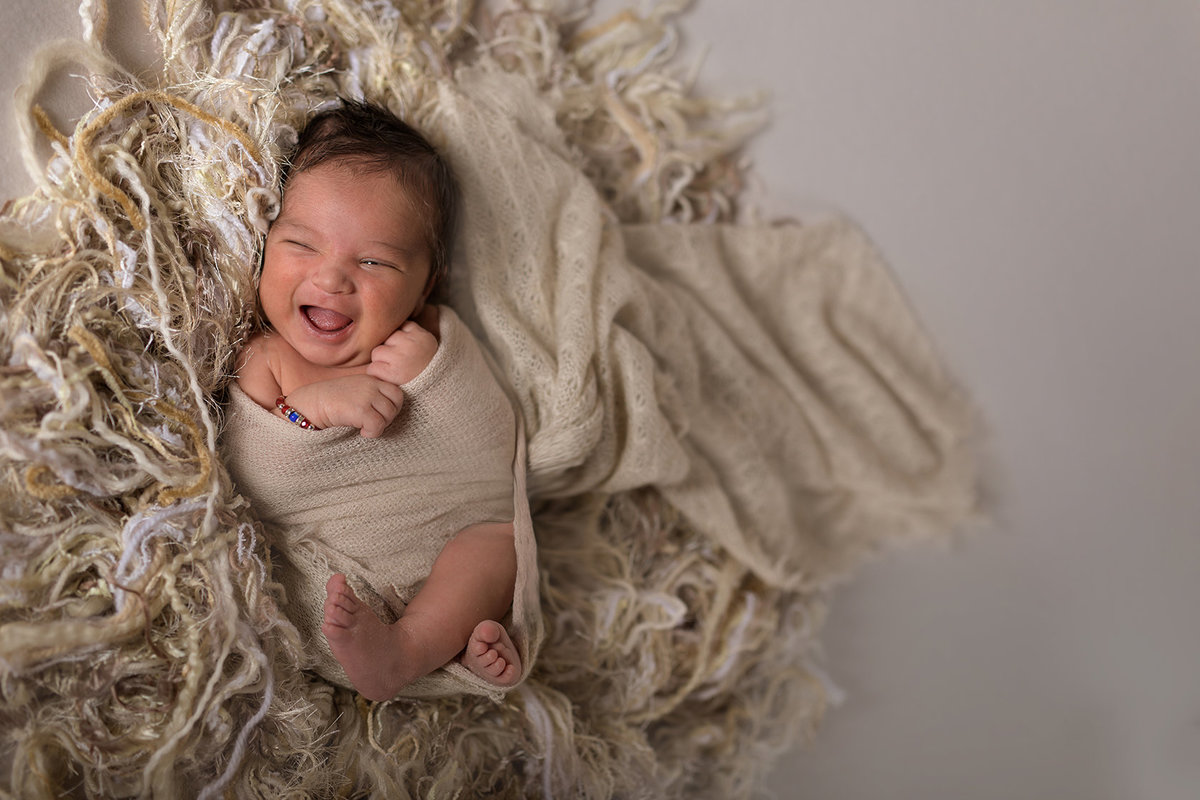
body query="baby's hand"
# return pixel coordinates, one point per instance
(355, 401)
(404, 355)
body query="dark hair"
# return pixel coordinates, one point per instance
(376, 139)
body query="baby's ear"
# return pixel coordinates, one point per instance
(431, 283)
(427, 317)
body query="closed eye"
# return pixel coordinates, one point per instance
(295, 243)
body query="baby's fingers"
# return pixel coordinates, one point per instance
(411, 339)
(403, 356)
(373, 425)
(383, 409)
(376, 419)
(393, 394)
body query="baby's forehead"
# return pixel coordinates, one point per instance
(417, 198)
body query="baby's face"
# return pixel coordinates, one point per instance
(345, 264)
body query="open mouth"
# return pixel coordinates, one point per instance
(325, 320)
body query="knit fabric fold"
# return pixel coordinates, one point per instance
(771, 380)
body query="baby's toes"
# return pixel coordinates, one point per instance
(477, 647)
(335, 616)
(503, 672)
(498, 667)
(488, 658)
(487, 632)
(490, 654)
(340, 602)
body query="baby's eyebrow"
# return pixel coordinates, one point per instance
(285, 222)
(395, 248)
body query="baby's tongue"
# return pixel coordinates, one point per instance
(326, 319)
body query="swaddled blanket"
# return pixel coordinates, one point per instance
(380, 510)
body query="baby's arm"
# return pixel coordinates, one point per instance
(352, 401)
(368, 401)
(357, 401)
(255, 372)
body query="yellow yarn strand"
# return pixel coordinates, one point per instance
(36, 484)
(85, 339)
(47, 127)
(196, 487)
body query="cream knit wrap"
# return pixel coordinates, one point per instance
(380, 510)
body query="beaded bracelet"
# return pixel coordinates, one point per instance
(293, 415)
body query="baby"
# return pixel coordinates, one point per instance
(366, 426)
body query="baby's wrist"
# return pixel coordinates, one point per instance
(309, 405)
(292, 415)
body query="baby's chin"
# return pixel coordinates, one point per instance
(349, 366)
(326, 358)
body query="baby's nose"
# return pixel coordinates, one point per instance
(329, 276)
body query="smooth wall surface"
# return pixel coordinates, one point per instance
(1032, 169)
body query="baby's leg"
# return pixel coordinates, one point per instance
(376, 656)
(491, 655)
(471, 580)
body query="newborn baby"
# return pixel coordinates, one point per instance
(367, 429)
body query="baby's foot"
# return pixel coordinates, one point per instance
(368, 649)
(491, 655)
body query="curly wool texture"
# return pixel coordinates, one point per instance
(143, 651)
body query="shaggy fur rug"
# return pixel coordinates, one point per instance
(722, 418)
